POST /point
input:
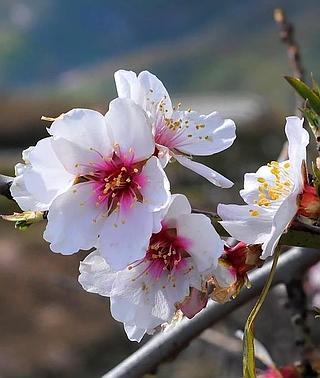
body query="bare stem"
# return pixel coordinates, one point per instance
(287, 36)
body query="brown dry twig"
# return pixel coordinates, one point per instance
(287, 36)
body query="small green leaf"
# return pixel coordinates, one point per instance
(306, 92)
(22, 225)
(315, 86)
(312, 117)
(316, 177)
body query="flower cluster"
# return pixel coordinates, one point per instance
(101, 180)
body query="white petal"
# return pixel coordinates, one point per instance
(122, 310)
(163, 155)
(183, 280)
(157, 221)
(155, 92)
(162, 309)
(250, 231)
(128, 86)
(205, 135)
(85, 128)
(73, 220)
(242, 212)
(44, 177)
(206, 245)
(156, 191)
(238, 222)
(134, 333)
(26, 154)
(131, 129)
(124, 240)
(96, 275)
(81, 139)
(204, 171)
(298, 139)
(224, 275)
(281, 221)
(250, 192)
(142, 316)
(75, 159)
(22, 196)
(178, 206)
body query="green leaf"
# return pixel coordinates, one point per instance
(249, 365)
(312, 117)
(315, 86)
(22, 225)
(306, 92)
(316, 177)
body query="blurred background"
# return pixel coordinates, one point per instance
(211, 55)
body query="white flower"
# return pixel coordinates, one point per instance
(148, 292)
(46, 171)
(178, 134)
(97, 177)
(271, 194)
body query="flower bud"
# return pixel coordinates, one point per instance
(231, 273)
(309, 204)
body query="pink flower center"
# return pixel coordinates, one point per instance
(170, 132)
(166, 252)
(117, 183)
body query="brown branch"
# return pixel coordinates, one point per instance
(5, 184)
(287, 36)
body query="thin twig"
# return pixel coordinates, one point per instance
(286, 33)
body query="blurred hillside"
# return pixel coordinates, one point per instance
(57, 47)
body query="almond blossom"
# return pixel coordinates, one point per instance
(99, 180)
(147, 293)
(178, 134)
(272, 195)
